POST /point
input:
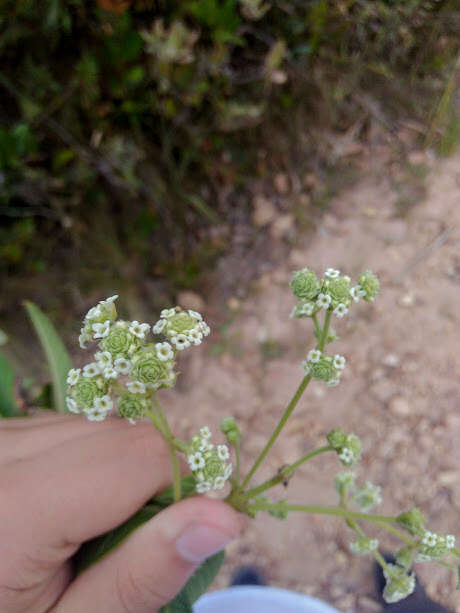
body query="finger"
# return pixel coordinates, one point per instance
(153, 564)
(42, 417)
(23, 442)
(74, 492)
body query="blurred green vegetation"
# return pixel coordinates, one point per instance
(123, 122)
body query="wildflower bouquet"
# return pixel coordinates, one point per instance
(129, 369)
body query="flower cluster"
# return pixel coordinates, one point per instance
(127, 368)
(324, 367)
(364, 545)
(368, 497)
(209, 464)
(333, 293)
(348, 447)
(434, 546)
(399, 584)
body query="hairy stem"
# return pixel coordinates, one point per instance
(171, 446)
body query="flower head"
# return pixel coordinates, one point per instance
(323, 301)
(139, 330)
(399, 584)
(370, 285)
(368, 496)
(305, 284)
(363, 546)
(73, 375)
(208, 463)
(340, 310)
(131, 406)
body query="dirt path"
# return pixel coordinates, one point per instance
(400, 390)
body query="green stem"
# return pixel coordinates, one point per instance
(285, 473)
(327, 321)
(172, 448)
(237, 457)
(317, 326)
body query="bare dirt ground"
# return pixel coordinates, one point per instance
(400, 389)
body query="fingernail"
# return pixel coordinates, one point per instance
(198, 542)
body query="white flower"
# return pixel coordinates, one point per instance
(122, 366)
(83, 339)
(96, 414)
(164, 351)
(222, 452)
(305, 367)
(206, 445)
(205, 329)
(205, 432)
(332, 273)
(333, 382)
(181, 342)
(93, 313)
(136, 387)
(357, 293)
(323, 301)
(103, 358)
(219, 483)
(430, 539)
(195, 315)
(73, 375)
(339, 361)
(159, 326)
(346, 455)
(139, 330)
(450, 541)
(110, 373)
(314, 355)
(72, 405)
(195, 336)
(109, 300)
(101, 330)
(91, 370)
(196, 461)
(103, 403)
(203, 486)
(166, 313)
(228, 471)
(340, 310)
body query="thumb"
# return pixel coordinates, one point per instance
(153, 564)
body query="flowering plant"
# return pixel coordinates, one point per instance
(128, 370)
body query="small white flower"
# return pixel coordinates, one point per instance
(164, 351)
(314, 355)
(139, 330)
(203, 486)
(83, 339)
(72, 405)
(93, 313)
(219, 483)
(206, 445)
(91, 370)
(195, 336)
(305, 367)
(340, 310)
(357, 293)
(430, 539)
(205, 432)
(122, 366)
(196, 461)
(205, 329)
(166, 313)
(228, 471)
(103, 403)
(73, 376)
(96, 414)
(159, 326)
(346, 455)
(323, 301)
(222, 452)
(103, 358)
(332, 273)
(339, 361)
(109, 300)
(101, 330)
(110, 373)
(136, 387)
(181, 342)
(450, 541)
(333, 382)
(195, 315)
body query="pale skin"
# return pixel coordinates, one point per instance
(64, 480)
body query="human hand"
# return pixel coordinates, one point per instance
(64, 480)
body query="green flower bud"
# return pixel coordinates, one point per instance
(339, 290)
(344, 483)
(363, 546)
(86, 390)
(149, 369)
(305, 284)
(370, 284)
(131, 406)
(230, 429)
(368, 496)
(323, 369)
(336, 438)
(353, 442)
(120, 342)
(304, 308)
(180, 323)
(413, 521)
(404, 557)
(399, 584)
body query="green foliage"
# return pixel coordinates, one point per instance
(59, 362)
(134, 119)
(8, 407)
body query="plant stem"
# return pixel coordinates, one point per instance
(323, 337)
(237, 457)
(171, 446)
(317, 326)
(285, 473)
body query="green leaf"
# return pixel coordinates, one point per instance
(196, 585)
(59, 362)
(8, 406)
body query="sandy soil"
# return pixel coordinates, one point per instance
(400, 390)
